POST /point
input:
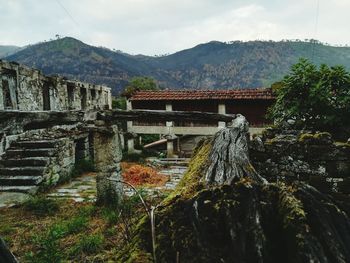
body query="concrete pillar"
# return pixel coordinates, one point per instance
(122, 141)
(128, 107)
(170, 148)
(107, 157)
(169, 107)
(109, 99)
(131, 145)
(222, 110)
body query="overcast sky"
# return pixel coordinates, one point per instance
(166, 26)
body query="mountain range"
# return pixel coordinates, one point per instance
(213, 65)
(8, 50)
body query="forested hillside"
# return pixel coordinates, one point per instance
(8, 50)
(214, 65)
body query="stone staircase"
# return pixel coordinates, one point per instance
(23, 164)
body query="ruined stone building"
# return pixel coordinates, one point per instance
(181, 137)
(43, 132)
(27, 89)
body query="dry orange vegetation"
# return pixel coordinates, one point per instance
(139, 175)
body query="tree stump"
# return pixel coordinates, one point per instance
(229, 156)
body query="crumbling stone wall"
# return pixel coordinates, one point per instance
(61, 164)
(302, 156)
(27, 89)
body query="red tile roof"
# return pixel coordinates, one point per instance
(237, 94)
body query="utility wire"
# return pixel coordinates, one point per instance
(81, 30)
(315, 31)
(66, 11)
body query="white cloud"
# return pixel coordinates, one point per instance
(165, 26)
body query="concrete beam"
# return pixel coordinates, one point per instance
(28, 120)
(154, 115)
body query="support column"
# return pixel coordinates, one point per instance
(131, 145)
(109, 94)
(169, 107)
(128, 107)
(170, 136)
(108, 154)
(122, 141)
(222, 110)
(170, 148)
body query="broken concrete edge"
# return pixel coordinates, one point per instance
(5, 254)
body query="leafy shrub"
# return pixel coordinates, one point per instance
(149, 138)
(314, 97)
(40, 205)
(119, 103)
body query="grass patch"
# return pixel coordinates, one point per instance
(87, 210)
(77, 232)
(89, 244)
(110, 215)
(48, 246)
(42, 206)
(76, 224)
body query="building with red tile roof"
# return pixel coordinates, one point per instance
(252, 103)
(234, 94)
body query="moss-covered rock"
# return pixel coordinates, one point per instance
(243, 222)
(316, 138)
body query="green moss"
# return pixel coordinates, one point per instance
(190, 182)
(305, 137)
(318, 136)
(135, 251)
(342, 144)
(322, 135)
(290, 207)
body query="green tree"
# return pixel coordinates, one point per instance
(119, 103)
(316, 98)
(139, 83)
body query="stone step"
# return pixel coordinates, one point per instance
(8, 171)
(29, 161)
(29, 189)
(20, 180)
(34, 144)
(21, 153)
